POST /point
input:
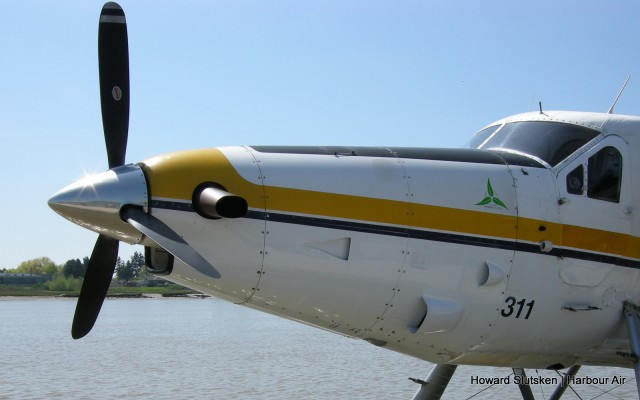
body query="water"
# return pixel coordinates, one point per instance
(207, 348)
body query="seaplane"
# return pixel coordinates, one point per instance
(521, 251)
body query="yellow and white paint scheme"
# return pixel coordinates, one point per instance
(520, 251)
(454, 256)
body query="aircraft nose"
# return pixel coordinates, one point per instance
(95, 202)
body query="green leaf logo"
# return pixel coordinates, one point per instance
(491, 197)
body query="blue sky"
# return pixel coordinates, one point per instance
(213, 73)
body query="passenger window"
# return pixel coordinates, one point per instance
(604, 175)
(575, 181)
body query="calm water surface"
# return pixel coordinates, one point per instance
(211, 349)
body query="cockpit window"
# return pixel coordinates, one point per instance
(482, 136)
(604, 176)
(604, 172)
(575, 180)
(551, 142)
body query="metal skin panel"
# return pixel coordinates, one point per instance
(234, 246)
(560, 316)
(323, 288)
(346, 296)
(370, 177)
(451, 270)
(538, 222)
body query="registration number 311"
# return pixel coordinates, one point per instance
(518, 307)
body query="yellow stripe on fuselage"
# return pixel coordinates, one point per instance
(175, 176)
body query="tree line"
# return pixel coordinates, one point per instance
(68, 276)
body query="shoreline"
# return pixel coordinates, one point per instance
(147, 296)
(114, 292)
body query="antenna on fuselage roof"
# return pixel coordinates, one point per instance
(618, 96)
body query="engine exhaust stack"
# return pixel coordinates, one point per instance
(213, 202)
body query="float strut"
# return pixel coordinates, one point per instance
(435, 384)
(525, 389)
(631, 315)
(564, 383)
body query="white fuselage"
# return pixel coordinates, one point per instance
(462, 257)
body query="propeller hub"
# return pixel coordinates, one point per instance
(96, 202)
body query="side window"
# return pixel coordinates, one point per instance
(575, 181)
(604, 171)
(603, 178)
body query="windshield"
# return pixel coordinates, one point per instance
(480, 137)
(551, 142)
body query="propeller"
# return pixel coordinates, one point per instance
(160, 233)
(96, 282)
(114, 186)
(113, 62)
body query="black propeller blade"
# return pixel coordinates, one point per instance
(113, 59)
(114, 95)
(160, 233)
(96, 283)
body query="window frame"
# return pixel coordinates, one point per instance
(591, 181)
(582, 157)
(522, 131)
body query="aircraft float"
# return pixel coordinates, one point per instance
(521, 251)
